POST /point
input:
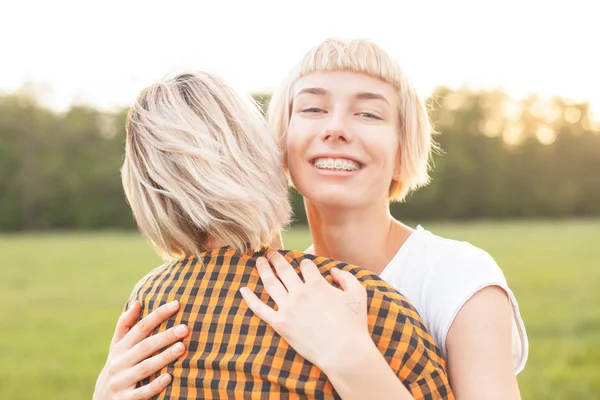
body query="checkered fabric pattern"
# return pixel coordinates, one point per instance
(233, 354)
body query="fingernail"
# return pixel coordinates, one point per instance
(270, 255)
(181, 330)
(178, 348)
(173, 305)
(260, 261)
(165, 379)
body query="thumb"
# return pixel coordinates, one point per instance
(125, 322)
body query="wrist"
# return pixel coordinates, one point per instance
(349, 356)
(362, 372)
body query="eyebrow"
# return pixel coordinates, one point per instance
(317, 91)
(359, 96)
(372, 96)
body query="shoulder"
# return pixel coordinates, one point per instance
(146, 282)
(367, 278)
(390, 311)
(382, 296)
(456, 271)
(431, 268)
(445, 258)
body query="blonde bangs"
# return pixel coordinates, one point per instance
(358, 56)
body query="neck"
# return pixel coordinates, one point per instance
(277, 241)
(368, 237)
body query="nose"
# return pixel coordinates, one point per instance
(336, 130)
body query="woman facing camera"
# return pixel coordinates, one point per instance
(356, 136)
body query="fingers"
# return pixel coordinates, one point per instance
(150, 366)
(142, 329)
(153, 344)
(348, 282)
(272, 285)
(152, 389)
(285, 271)
(310, 272)
(125, 322)
(259, 308)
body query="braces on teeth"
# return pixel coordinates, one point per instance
(336, 164)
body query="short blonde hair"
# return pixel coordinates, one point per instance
(364, 57)
(201, 165)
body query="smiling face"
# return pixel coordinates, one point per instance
(342, 139)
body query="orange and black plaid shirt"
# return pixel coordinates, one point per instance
(233, 354)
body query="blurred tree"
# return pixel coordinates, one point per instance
(502, 159)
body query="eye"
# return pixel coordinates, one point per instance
(368, 115)
(313, 110)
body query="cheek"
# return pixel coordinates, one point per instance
(392, 147)
(299, 135)
(295, 150)
(383, 147)
(293, 146)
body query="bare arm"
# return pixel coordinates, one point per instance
(363, 373)
(479, 348)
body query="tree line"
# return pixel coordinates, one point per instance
(502, 158)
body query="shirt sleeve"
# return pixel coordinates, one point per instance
(457, 276)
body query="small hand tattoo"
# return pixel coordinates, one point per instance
(354, 306)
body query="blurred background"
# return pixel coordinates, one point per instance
(514, 92)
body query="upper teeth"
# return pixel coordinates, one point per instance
(336, 164)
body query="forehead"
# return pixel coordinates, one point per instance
(345, 83)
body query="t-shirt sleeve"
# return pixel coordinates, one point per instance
(459, 274)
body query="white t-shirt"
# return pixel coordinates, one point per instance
(439, 275)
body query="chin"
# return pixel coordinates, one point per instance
(334, 198)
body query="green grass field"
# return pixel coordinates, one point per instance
(62, 293)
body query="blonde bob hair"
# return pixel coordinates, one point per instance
(201, 168)
(364, 57)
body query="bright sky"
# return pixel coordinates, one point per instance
(105, 52)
